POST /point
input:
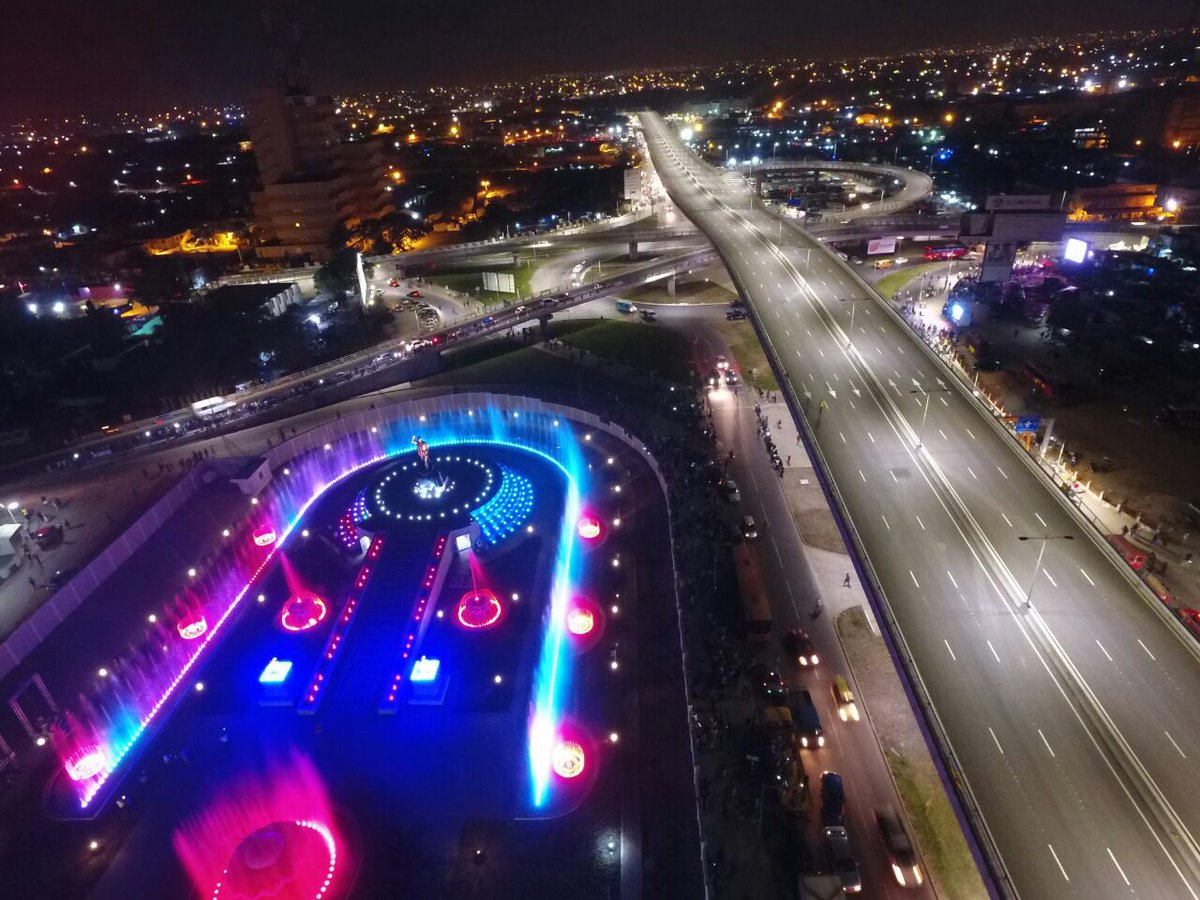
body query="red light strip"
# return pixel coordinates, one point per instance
(391, 697)
(315, 692)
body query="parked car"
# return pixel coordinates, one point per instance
(734, 315)
(731, 492)
(841, 858)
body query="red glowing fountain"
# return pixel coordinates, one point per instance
(269, 837)
(589, 527)
(568, 759)
(479, 608)
(303, 611)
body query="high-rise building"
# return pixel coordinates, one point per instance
(311, 180)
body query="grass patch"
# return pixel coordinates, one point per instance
(894, 281)
(471, 283)
(711, 291)
(749, 354)
(937, 831)
(650, 348)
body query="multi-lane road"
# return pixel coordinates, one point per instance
(1070, 721)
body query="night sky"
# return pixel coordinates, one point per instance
(66, 56)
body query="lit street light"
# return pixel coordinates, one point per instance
(919, 389)
(1038, 565)
(851, 301)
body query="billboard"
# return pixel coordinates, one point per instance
(633, 183)
(499, 282)
(998, 259)
(881, 245)
(1017, 202)
(1075, 250)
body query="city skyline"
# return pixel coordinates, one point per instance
(100, 58)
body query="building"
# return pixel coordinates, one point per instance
(1182, 127)
(255, 300)
(311, 181)
(1113, 203)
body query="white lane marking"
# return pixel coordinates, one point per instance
(968, 431)
(1102, 650)
(922, 524)
(1088, 577)
(822, 352)
(913, 577)
(947, 643)
(861, 475)
(996, 739)
(943, 434)
(1005, 518)
(798, 353)
(1040, 519)
(871, 436)
(1001, 471)
(972, 471)
(944, 401)
(1173, 744)
(993, 649)
(901, 349)
(1118, 865)
(885, 521)
(952, 581)
(1060, 865)
(894, 478)
(1046, 742)
(842, 436)
(1050, 578)
(880, 352)
(1147, 649)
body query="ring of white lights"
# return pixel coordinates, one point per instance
(443, 503)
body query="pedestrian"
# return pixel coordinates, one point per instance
(789, 460)
(846, 580)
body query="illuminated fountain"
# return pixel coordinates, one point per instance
(143, 684)
(270, 835)
(303, 609)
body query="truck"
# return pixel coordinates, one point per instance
(756, 611)
(807, 719)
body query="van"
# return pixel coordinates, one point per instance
(624, 306)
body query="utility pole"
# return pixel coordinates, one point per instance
(1038, 565)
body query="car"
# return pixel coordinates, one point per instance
(649, 315)
(844, 698)
(749, 528)
(731, 492)
(833, 798)
(394, 282)
(799, 646)
(807, 719)
(110, 429)
(735, 315)
(1191, 619)
(722, 364)
(415, 294)
(841, 858)
(732, 377)
(736, 302)
(59, 578)
(899, 848)
(768, 682)
(48, 536)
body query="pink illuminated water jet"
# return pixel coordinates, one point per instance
(270, 834)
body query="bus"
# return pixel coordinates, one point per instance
(756, 611)
(945, 252)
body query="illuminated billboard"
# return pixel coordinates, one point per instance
(1075, 250)
(881, 245)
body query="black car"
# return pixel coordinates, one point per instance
(768, 682)
(899, 847)
(735, 314)
(799, 647)
(833, 798)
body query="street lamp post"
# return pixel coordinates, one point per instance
(1043, 538)
(919, 389)
(851, 301)
(9, 507)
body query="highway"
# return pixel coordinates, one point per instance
(1069, 722)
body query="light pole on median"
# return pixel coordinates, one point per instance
(919, 389)
(1038, 565)
(9, 507)
(851, 301)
